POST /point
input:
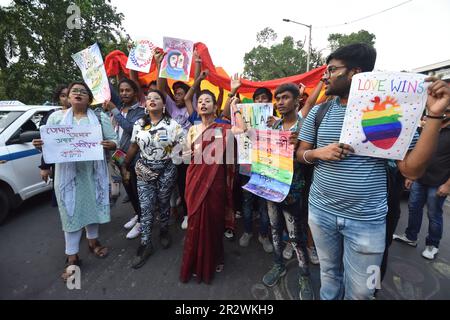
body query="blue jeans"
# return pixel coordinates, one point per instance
(249, 199)
(419, 196)
(350, 253)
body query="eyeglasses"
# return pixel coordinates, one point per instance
(79, 91)
(332, 69)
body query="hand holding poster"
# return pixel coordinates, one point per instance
(141, 55)
(383, 113)
(177, 60)
(272, 165)
(91, 65)
(66, 143)
(255, 116)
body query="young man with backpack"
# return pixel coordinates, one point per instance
(348, 198)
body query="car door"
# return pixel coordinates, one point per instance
(25, 159)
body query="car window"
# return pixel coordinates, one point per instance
(8, 117)
(29, 125)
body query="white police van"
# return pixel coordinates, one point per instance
(19, 160)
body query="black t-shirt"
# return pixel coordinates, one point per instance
(438, 171)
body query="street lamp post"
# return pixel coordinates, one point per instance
(309, 42)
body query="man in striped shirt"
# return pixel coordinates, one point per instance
(348, 197)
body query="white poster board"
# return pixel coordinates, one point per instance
(66, 143)
(90, 62)
(255, 116)
(383, 113)
(141, 55)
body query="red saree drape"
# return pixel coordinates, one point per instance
(208, 195)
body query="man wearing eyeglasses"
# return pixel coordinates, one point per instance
(348, 198)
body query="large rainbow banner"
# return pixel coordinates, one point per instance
(272, 165)
(383, 112)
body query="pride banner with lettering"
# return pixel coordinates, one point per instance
(66, 143)
(383, 113)
(272, 165)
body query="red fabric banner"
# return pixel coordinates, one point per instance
(116, 61)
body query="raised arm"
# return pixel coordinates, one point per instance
(220, 98)
(240, 125)
(161, 83)
(190, 94)
(235, 84)
(415, 162)
(312, 99)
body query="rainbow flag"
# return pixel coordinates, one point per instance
(272, 165)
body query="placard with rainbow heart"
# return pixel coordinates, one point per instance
(383, 113)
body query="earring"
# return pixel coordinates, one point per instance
(145, 110)
(164, 110)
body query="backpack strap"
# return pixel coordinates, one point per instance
(323, 109)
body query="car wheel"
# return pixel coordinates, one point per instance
(4, 205)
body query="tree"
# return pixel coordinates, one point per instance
(337, 40)
(38, 39)
(271, 61)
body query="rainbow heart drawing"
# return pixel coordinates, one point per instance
(381, 123)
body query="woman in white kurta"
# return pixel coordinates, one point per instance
(82, 188)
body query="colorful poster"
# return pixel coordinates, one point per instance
(66, 143)
(178, 59)
(91, 65)
(272, 165)
(255, 116)
(383, 112)
(141, 55)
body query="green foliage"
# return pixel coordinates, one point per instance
(271, 60)
(36, 44)
(337, 40)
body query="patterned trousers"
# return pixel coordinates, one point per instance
(154, 196)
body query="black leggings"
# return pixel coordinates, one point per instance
(131, 189)
(181, 182)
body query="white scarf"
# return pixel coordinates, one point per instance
(67, 186)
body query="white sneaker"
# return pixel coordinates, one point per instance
(312, 254)
(288, 251)
(267, 245)
(245, 239)
(130, 224)
(403, 238)
(135, 232)
(430, 252)
(184, 225)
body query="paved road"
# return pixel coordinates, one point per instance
(32, 251)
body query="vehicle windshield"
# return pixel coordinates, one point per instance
(8, 117)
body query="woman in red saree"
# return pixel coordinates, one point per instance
(209, 182)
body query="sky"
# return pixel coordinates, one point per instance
(413, 35)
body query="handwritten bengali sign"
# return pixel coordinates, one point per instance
(66, 143)
(272, 165)
(90, 62)
(383, 112)
(255, 116)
